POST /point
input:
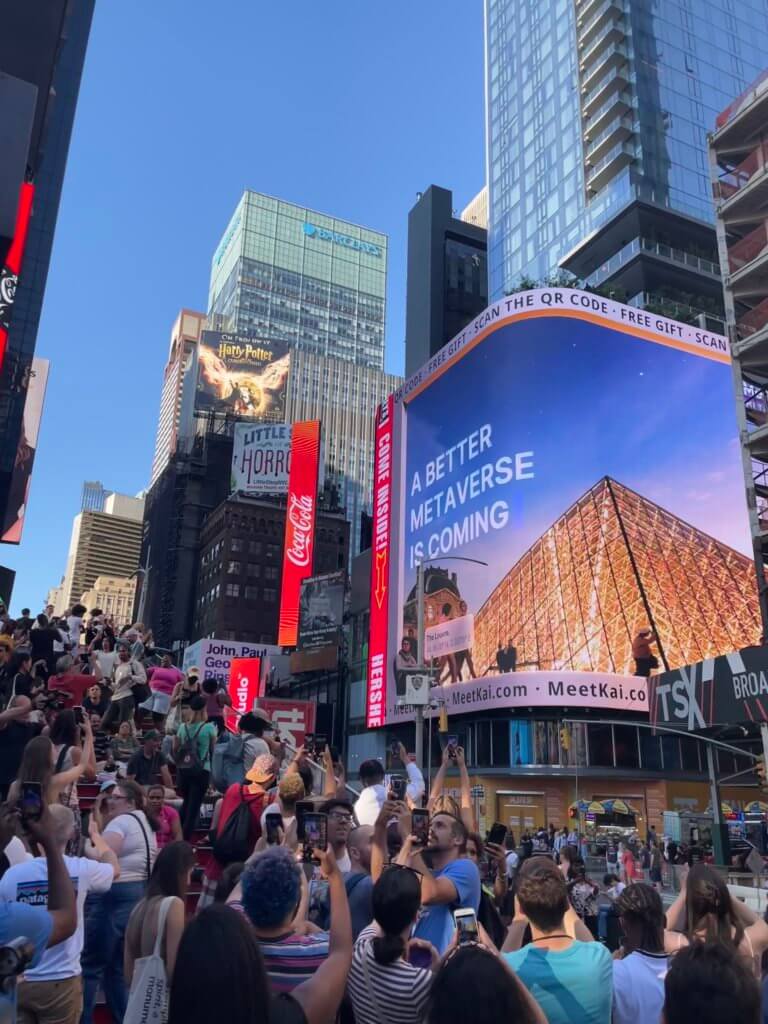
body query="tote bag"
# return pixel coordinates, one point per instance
(148, 998)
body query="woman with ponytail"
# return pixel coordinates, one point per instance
(391, 974)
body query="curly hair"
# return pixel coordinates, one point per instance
(642, 913)
(271, 887)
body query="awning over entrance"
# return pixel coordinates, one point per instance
(617, 806)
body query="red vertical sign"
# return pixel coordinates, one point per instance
(299, 525)
(294, 718)
(243, 688)
(9, 272)
(382, 511)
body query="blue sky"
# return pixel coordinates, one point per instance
(589, 402)
(349, 108)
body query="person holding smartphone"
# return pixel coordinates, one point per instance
(448, 881)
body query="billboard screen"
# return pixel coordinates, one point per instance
(299, 525)
(321, 611)
(261, 458)
(21, 479)
(244, 688)
(568, 470)
(242, 375)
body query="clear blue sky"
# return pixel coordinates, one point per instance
(347, 107)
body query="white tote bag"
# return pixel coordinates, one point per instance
(148, 998)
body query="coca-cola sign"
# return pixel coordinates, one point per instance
(299, 525)
(301, 516)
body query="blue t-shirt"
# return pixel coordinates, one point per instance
(435, 922)
(18, 920)
(572, 986)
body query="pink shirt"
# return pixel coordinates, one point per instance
(164, 679)
(164, 835)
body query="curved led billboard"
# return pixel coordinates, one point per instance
(568, 472)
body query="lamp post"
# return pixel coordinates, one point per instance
(422, 667)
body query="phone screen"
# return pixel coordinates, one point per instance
(498, 833)
(303, 807)
(420, 957)
(398, 785)
(31, 801)
(420, 825)
(315, 833)
(466, 924)
(452, 742)
(274, 824)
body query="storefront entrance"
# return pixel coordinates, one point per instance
(520, 812)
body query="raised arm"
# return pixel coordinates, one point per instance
(321, 995)
(61, 780)
(379, 851)
(437, 783)
(466, 810)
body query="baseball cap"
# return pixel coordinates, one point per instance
(107, 784)
(263, 769)
(263, 715)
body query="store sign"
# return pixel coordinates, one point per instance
(379, 614)
(339, 239)
(244, 688)
(214, 657)
(294, 718)
(299, 525)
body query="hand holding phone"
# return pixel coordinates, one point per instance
(274, 829)
(466, 925)
(315, 836)
(420, 825)
(498, 833)
(397, 787)
(452, 745)
(31, 802)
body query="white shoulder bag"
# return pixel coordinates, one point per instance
(148, 998)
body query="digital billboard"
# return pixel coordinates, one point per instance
(321, 611)
(242, 375)
(568, 471)
(300, 517)
(10, 269)
(12, 524)
(244, 688)
(261, 458)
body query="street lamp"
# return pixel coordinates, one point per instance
(419, 748)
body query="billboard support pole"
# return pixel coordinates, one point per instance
(419, 746)
(764, 738)
(719, 841)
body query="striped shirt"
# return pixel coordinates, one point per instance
(291, 959)
(400, 990)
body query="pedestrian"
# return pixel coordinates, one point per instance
(16, 730)
(638, 976)
(642, 651)
(216, 699)
(655, 866)
(125, 743)
(167, 817)
(163, 680)
(358, 883)
(473, 984)
(127, 674)
(708, 983)
(384, 985)
(192, 750)
(68, 753)
(148, 766)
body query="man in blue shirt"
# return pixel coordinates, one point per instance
(449, 881)
(40, 927)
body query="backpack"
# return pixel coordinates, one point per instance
(228, 763)
(233, 843)
(148, 998)
(188, 755)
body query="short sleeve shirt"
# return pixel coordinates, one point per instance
(204, 734)
(134, 827)
(570, 985)
(435, 923)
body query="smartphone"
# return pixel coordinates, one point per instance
(321, 742)
(315, 834)
(420, 825)
(303, 807)
(397, 785)
(452, 742)
(79, 713)
(498, 833)
(274, 824)
(309, 744)
(420, 957)
(466, 925)
(31, 801)
(394, 748)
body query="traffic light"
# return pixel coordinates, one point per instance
(565, 738)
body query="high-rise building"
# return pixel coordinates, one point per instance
(106, 543)
(638, 565)
(114, 595)
(739, 160)
(476, 210)
(344, 397)
(447, 282)
(597, 117)
(175, 425)
(285, 273)
(93, 497)
(42, 50)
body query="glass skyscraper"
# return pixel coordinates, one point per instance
(283, 272)
(597, 120)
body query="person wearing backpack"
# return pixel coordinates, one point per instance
(236, 825)
(193, 748)
(153, 935)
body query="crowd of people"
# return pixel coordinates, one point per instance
(222, 874)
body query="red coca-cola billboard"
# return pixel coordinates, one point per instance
(244, 688)
(299, 525)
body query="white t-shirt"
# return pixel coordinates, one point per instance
(16, 852)
(133, 856)
(638, 987)
(74, 622)
(512, 861)
(106, 660)
(28, 883)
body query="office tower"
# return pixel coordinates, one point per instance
(42, 50)
(597, 116)
(93, 497)
(241, 564)
(344, 397)
(106, 543)
(175, 427)
(476, 210)
(739, 158)
(447, 282)
(613, 563)
(285, 273)
(114, 595)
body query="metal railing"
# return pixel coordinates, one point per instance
(748, 248)
(733, 181)
(615, 73)
(637, 245)
(602, 9)
(613, 126)
(597, 42)
(616, 50)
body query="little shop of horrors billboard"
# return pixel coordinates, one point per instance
(567, 470)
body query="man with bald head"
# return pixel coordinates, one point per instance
(358, 882)
(52, 990)
(16, 731)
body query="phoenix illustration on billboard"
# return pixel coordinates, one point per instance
(242, 375)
